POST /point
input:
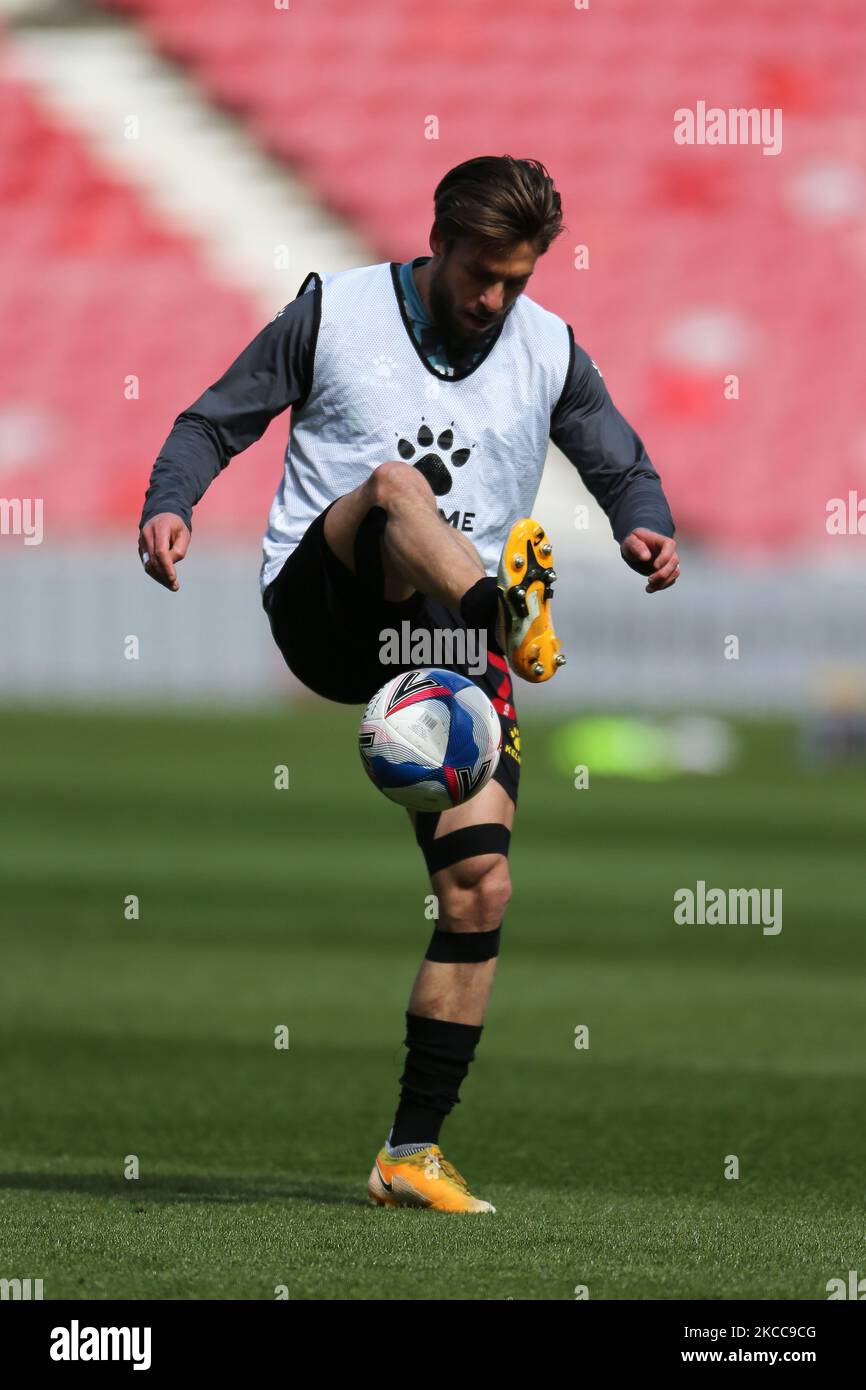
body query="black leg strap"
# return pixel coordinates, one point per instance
(464, 946)
(488, 838)
(369, 569)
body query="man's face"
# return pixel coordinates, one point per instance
(473, 287)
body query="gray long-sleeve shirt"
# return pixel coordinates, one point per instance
(275, 371)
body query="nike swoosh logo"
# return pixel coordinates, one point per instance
(387, 1186)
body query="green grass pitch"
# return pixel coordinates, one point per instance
(305, 908)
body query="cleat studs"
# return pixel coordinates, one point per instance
(559, 659)
(518, 561)
(538, 669)
(518, 596)
(547, 548)
(551, 576)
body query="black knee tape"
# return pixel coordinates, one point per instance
(369, 569)
(489, 838)
(453, 947)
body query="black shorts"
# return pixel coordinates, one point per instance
(328, 624)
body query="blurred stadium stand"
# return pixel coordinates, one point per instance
(703, 261)
(100, 290)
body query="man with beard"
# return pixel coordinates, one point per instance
(423, 397)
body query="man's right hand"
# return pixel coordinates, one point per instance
(162, 542)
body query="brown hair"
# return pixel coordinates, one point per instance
(500, 201)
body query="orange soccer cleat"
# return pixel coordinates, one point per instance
(526, 577)
(424, 1179)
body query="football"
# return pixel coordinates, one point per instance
(430, 739)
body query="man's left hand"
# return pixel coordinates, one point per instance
(653, 555)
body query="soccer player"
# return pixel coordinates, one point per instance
(423, 396)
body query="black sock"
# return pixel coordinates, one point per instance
(479, 607)
(438, 1060)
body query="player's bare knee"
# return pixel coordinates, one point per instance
(476, 899)
(393, 481)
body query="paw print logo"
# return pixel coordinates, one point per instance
(382, 371)
(434, 465)
(384, 367)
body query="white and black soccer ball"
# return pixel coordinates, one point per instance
(430, 739)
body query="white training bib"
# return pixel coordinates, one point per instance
(480, 440)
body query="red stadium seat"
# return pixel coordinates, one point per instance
(98, 291)
(677, 234)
